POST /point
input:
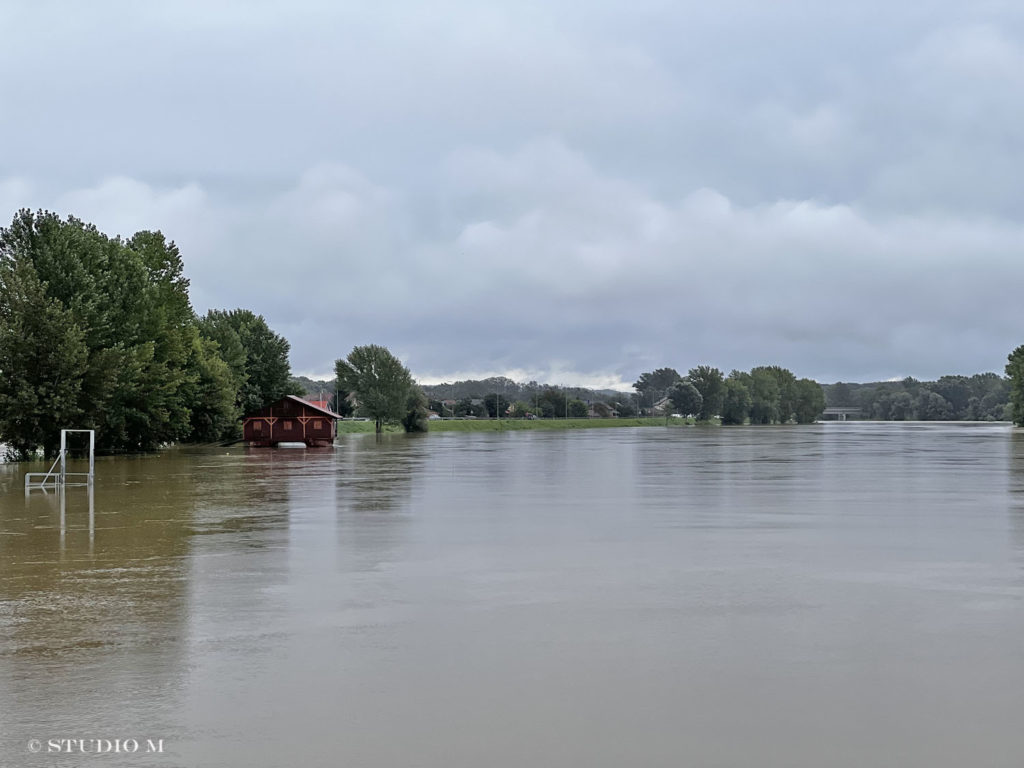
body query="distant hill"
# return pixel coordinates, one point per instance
(478, 388)
(314, 387)
(513, 390)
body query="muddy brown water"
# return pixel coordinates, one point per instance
(833, 595)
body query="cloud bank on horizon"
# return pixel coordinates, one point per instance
(564, 191)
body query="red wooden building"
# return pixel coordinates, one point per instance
(290, 420)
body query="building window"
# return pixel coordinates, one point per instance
(287, 425)
(318, 424)
(257, 426)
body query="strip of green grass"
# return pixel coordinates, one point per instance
(495, 425)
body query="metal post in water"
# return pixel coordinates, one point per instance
(63, 456)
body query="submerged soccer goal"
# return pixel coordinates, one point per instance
(58, 475)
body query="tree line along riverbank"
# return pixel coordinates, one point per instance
(98, 332)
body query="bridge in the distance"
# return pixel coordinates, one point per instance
(839, 414)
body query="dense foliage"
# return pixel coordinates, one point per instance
(257, 356)
(654, 385)
(1015, 372)
(982, 397)
(765, 395)
(97, 332)
(383, 388)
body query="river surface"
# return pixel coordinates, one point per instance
(832, 595)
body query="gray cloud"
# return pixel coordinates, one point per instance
(557, 190)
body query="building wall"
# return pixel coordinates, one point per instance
(282, 422)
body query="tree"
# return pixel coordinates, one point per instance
(465, 407)
(129, 302)
(654, 385)
(710, 383)
(43, 358)
(577, 408)
(380, 382)
(626, 408)
(553, 403)
(497, 405)
(809, 401)
(736, 402)
(417, 418)
(520, 409)
(764, 396)
(901, 406)
(957, 392)
(265, 373)
(785, 389)
(1015, 371)
(685, 398)
(212, 394)
(931, 406)
(839, 395)
(217, 327)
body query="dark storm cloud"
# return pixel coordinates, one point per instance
(557, 190)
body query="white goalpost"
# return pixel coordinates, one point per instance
(57, 476)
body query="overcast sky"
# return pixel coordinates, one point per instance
(574, 192)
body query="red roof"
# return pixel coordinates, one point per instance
(317, 405)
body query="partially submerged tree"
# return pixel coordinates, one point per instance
(43, 358)
(417, 417)
(125, 303)
(380, 382)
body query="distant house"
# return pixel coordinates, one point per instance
(601, 411)
(662, 407)
(290, 420)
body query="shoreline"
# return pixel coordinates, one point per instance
(506, 425)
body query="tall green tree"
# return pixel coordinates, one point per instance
(577, 408)
(654, 385)
(809, 401)
(710, 382)
(496, 404)
(265, 374)
(1015, 372)
(785, 397)
(417, 417)
(43, 358)
(957, 392)
(764, 396)
(380, 382)
(736, 401)
(212, 394)
(685, 398)
(129, 300)
(931, 406)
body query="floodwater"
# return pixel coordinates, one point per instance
(832, 595)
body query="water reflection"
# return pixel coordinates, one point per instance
(568, 598)
(93, 602)
(1015, 489)
(62, 495)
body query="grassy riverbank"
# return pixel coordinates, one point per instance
(495, 425)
